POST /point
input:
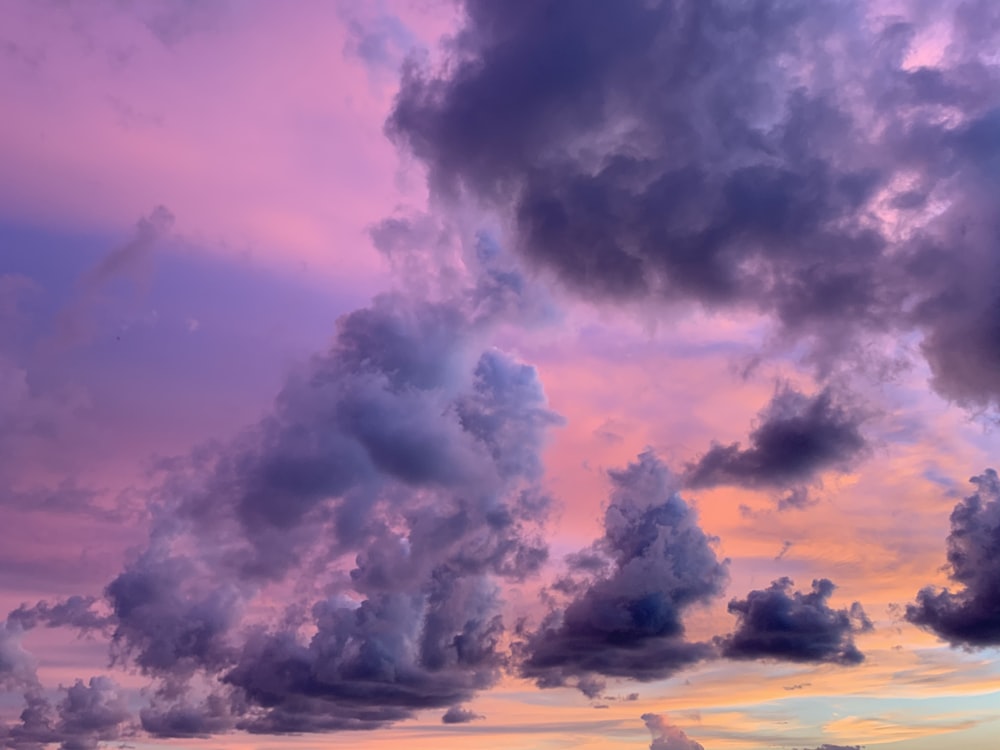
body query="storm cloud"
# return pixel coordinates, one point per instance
(969, 616)
(624, 616)
(737, 156)
(781, 624)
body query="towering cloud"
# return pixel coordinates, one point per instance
(969, 616)
(797, 627)
(624, 616)
(739, 156)
(401, 470)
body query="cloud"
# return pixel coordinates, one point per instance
(796, 437)
(624, 619)
(666, 736)
(969, 616)
(796, 627)
(17, 667)
(75, 612)
(726, 156)
(459, 715)
(186, 719)
(399, 474)
(89, 714)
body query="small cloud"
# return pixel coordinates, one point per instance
(459, 715)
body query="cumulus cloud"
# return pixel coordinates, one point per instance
(969, 616)
(624, 618)
(89, 714)
(737, 156)
(796, 437)
(401, 470)
(781, 624)
(666, 736)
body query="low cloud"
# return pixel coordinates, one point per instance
(784, 625)
(970, 615)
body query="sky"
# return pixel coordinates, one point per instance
(524, 374)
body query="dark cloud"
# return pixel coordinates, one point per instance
(725, 154)
(781, 624)
(460, 715)
(666, 736)
(969, 616)
(625, 619)
(795, 438)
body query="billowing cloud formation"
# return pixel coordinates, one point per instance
(971, 615)
(748, 156)
(797, 627)
(796, 437)
(624, 619)
(666, 736)
(87, 715)
(400, 471)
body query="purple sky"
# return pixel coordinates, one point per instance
(523, 374)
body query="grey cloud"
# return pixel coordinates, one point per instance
(785, 625)
(625, 621)
(89, 714)
(723, 154)
(969, 616)
(185, 719)
(406, 448)
(796, 437)
(460, 715)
